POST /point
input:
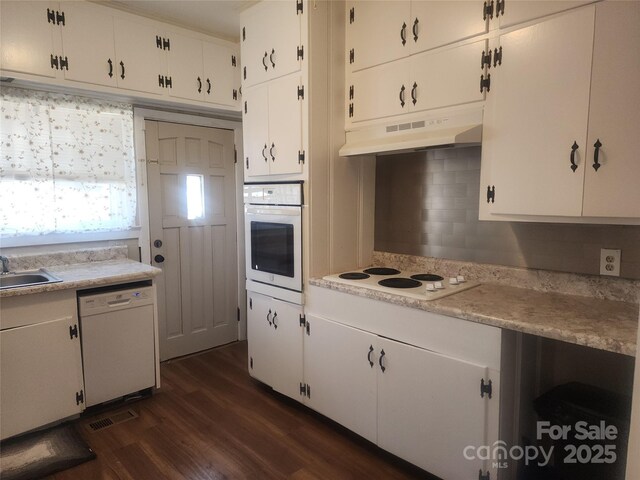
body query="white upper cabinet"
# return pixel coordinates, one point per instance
(438, 23)
(612, 185)
(184, 61)
(27, 32)
(377, 32)
(272, 127)
(560, 130)
(221, 67)
(511, 12)
(271, 41)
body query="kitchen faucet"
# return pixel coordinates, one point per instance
(5, 264)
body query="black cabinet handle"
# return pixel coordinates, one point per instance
(402, 89)
(414, 29)
(414, 93)
(275, 315)
(369, 355)
(264, 63)
(403, 33)
(382, 367)
(572, 157)
(208, 87)
(596, 154)
(273, 158)
(122, 67)
(199, 85)
(110, 68)
(158, 259)
(273, 51)
(263, 154)
(269, 317)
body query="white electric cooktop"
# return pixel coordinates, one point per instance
(420, 285)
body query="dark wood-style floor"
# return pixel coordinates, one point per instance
(210, 420)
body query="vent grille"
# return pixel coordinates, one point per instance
(112, 420)
(405, 126)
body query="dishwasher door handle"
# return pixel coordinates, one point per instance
(119, 303)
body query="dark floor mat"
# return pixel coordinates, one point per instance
(42, 453)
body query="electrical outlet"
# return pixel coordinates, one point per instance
(610, 262)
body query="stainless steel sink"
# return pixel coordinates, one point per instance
(27, 279)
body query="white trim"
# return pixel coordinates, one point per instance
(57, 238)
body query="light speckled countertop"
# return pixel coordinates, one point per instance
(88, 275)
(603, 324)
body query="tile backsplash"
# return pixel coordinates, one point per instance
(427, 205)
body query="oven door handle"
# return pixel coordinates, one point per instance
(275, 211)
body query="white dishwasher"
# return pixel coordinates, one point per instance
(118, 343)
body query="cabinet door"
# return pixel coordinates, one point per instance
(27, 37)
(448, 77)
(260, 337)
(185, 67)
(524, 10)
(41, 372)
(614, 114)
(536, 109)
(434, 24)
(88, 44)
(287, 348)
(381, 91)
(255, 130)
(283, 28)
(430, 409)
(341, 379)
(285, 125)
(138, 57)
(220, 74)
(379, 32)
(253, 45)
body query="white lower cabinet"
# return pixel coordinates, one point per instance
(274, 335)
(41, 364)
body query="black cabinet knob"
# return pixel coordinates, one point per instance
(158, 259)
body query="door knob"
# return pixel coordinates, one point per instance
(157, 243)
(158, 259)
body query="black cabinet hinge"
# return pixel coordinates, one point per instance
(300, 52)
(245, 106)
(244, 72)
(350, 92)
(307, 327)
(485, 59)
(300, 92)
(167, 82)
(305, 390)
(235, 154)
(300, 157)
(73, 331)
(251, 362)
(238, 313)
(244, 34)
(352, 56)
(166, 44)
(64, 63)
(79, 397)
(161, 81)
(482, 476)
(233, 61)
(247, 159)
(60, 18)
(51, 16)
(299, 7)
(485, 83)
(491, 194)
(486, 388)
(487, 10)
(350, 110)
(234, 94)
(303, 320)
(352, 15)
(158, 41)
(500, 7)
(164, 81)
(250, 299)
(54, 62)
(497, 57)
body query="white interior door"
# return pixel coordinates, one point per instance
(613, 190)
(193, 215)
(430, 409)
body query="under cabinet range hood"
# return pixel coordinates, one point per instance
(459, 129)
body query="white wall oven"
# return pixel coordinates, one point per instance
(273, 233)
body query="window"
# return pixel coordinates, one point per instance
(67, 164)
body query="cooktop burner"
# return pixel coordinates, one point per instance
(427, 277)
(354, 276)
(381, 271)
(399, 282)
